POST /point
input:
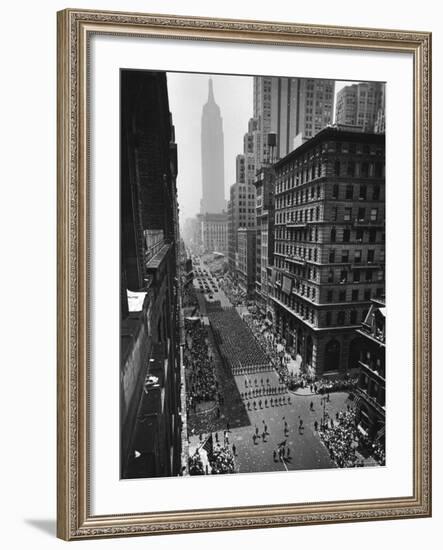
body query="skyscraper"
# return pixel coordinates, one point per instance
(290, 108)
(212, 148)
(360, 105)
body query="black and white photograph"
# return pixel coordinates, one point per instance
(252, 274)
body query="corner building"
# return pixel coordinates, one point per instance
(329, 255)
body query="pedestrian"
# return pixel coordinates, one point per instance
(256, 430)
(255, 405)
(227, 427)
(272, 402)
(327, 398)
(316, 426)
(259, 403)
(301, 424)
(336, 416)
(274, 454)
(266, 403)
(234, 450)
(311, 406)
(288, 452)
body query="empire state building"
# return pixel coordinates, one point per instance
(213, 177)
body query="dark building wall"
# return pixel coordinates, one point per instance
(149, 333)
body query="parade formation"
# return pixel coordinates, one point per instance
(249, 405)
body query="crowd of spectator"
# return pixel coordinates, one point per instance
(220, 460)
(341, 440)
(189, 298)
(201, 382)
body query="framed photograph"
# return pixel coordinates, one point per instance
(244, 318)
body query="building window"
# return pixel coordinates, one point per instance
(355, 295)
(356, 277)
(353, 317)
(374, 214)
(341, 318)
(334, 214)
(329, 296)
(342, 296)
(328, 318)
(347, 215)
(362, 194)
(337, 168)
(365, 169)
(369, 275)
(351, 168)
(371, 254)
(330, 276)
(349, 192)
(333, 235)
(367, 294)
(345, 256)
(335, 191)
(372, 235)
(376, 193)
(346, 235)
(343, 276)
(361, 214)
(331, 256)
(357, 256)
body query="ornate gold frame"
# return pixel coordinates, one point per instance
(74, 29)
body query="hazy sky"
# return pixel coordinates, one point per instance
(188, 92)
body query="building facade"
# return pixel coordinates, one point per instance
(212, 152)
(372, 374)
(246, 262)
(150, 413)
(361, 105)
(288, 107)
(264, 211)
(329, 251)
(214, 233)
(241, 213)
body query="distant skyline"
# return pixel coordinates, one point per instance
(188, 92)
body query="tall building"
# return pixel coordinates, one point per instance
(360, 105)
(212, 152)
(264, 211)
(246, 260)
(214, 233)
(150, 419)
(241, 213)
(372, 376)
(329, 252)
(288, 107)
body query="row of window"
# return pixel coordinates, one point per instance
(318, 169)
(355, 295)
(349, 193)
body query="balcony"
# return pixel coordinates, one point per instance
(372, 401)
(379, 374)
(295, 260)
(366, 266)
(368, 223)
(295, 225)
(373, 332)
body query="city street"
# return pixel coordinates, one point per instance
(256, 454)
